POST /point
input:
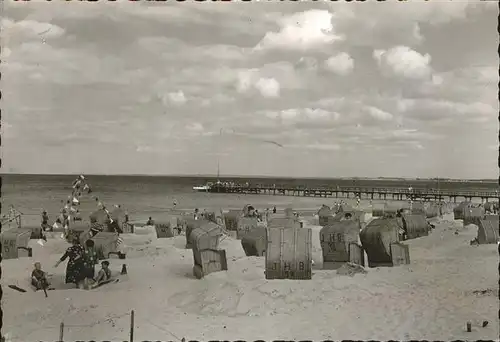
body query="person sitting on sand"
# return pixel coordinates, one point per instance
(196, 213)
(39, 277)
(104, 274)
(150, 222)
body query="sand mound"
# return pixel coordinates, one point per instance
(351, 269)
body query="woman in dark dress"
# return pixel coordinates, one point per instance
(75, 270)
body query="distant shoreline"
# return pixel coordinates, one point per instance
(243, 177)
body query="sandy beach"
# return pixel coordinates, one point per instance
(130, 127)
(432, 298)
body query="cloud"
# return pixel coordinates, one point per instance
(143, 148)
(177, 97)
(268, 87)
(304, 117)
(404, 62)
(436, 110)
(250, 79)
(367, 23)
(29, 29)
(379, 114)
(341, 64)
(307, 63)
(301, 31)
(41, 61)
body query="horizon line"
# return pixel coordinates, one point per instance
(249, 176)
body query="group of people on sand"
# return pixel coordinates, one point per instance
(80, 269)
(82, 259)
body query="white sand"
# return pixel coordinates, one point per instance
(429, 299)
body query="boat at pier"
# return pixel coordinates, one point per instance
(203, 188)
(218, 186)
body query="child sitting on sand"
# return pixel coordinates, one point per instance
(39, 277)
(103, 275)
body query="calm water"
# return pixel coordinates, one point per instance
(145, 196)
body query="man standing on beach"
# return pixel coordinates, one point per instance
(45, 220)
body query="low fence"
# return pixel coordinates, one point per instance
(63, 328)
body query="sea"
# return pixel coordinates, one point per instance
(153, 196)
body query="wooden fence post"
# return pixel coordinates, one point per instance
(61, 332)
(132, 326)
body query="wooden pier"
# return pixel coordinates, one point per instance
(400, 194)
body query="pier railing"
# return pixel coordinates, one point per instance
(343, 190)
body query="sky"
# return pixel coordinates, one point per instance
(292, 89)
